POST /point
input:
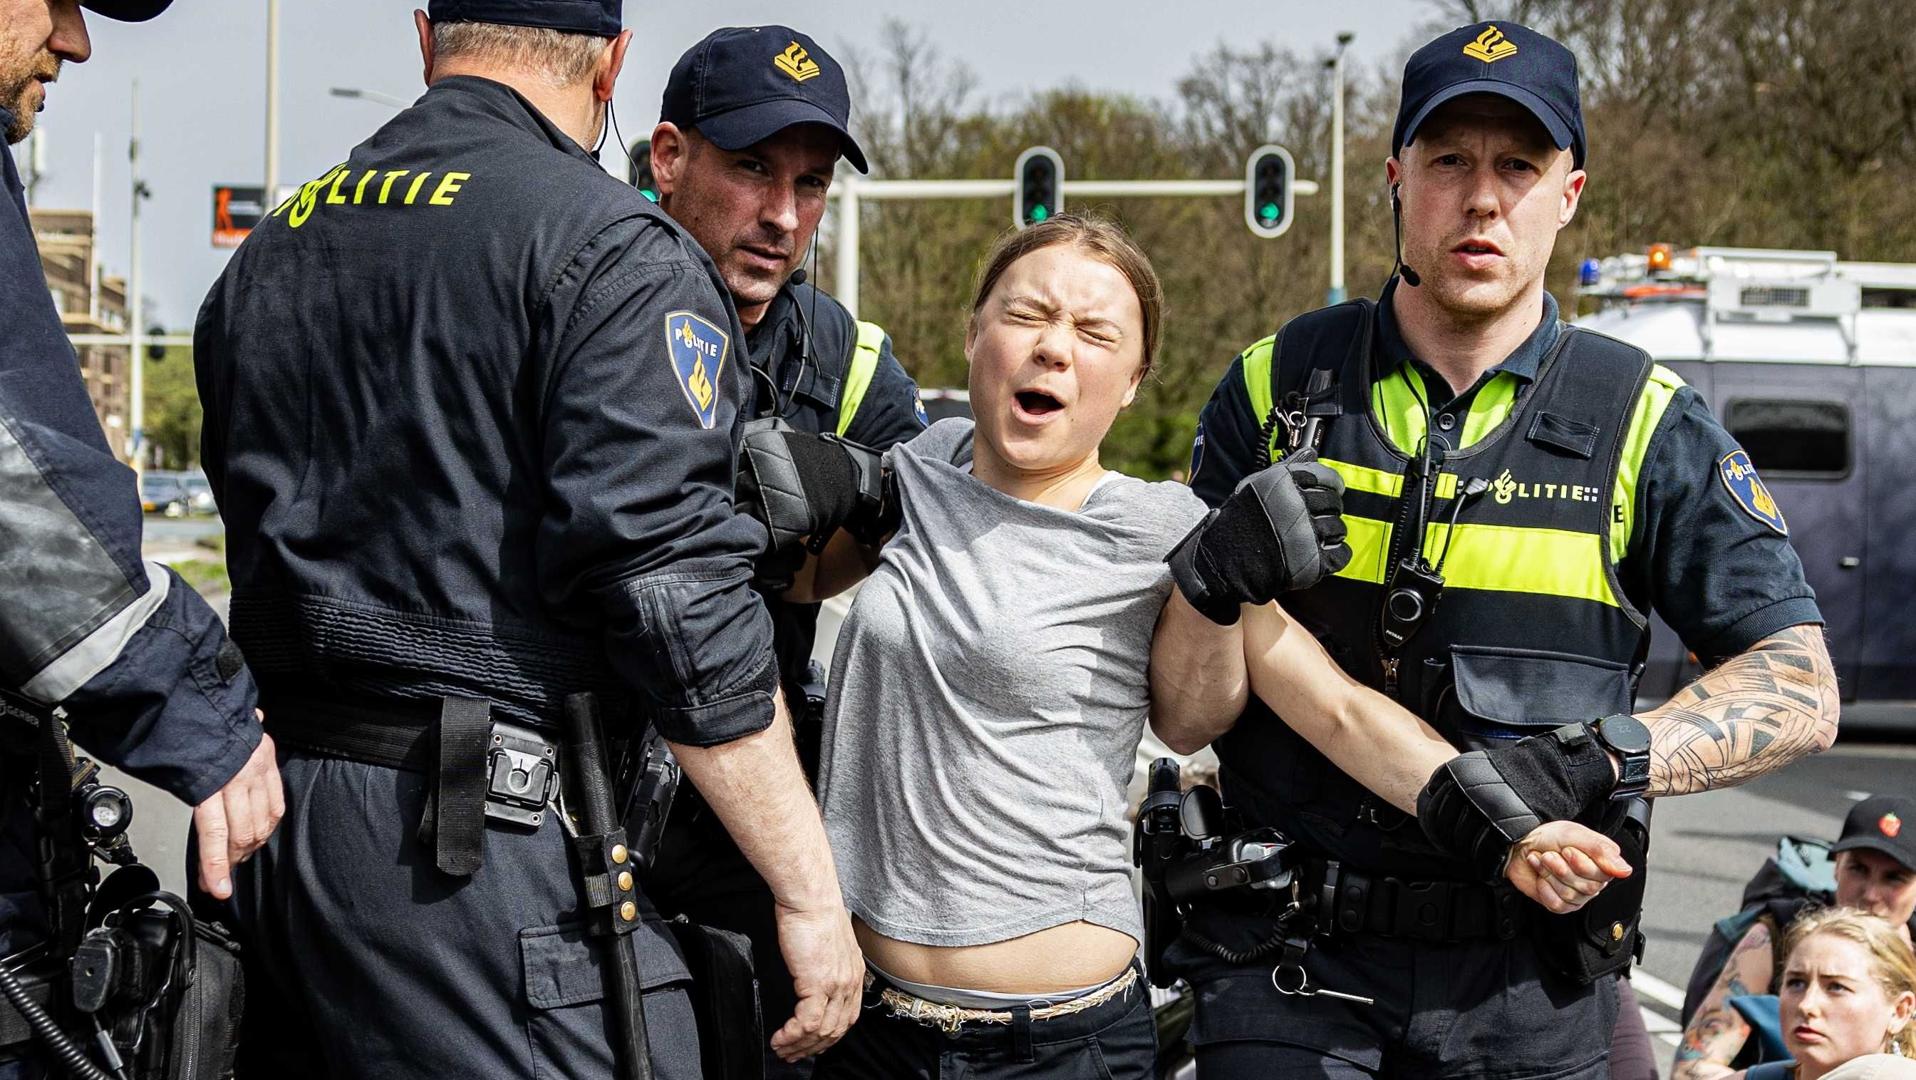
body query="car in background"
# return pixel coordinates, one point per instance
(200, 493)
(165, 493)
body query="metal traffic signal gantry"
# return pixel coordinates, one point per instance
(639, 168)
(1268, 195)
(1039, 195)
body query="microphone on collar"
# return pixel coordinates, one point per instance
(1397, 239)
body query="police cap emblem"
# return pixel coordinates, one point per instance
(698, 359)
(1740, 480)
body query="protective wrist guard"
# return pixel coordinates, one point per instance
(1281, 530)
(1478, 804)
(804, 487)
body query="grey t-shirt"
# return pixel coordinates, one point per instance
(988, 690)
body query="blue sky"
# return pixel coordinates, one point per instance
(201, 73)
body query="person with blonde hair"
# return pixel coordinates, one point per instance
(1847, 993)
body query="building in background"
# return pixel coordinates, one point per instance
(67, 253)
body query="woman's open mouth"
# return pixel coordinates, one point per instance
(1036, 406)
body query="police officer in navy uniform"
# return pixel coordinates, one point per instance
(141, 665)
(753, 124)
(472, 416)
(1520, 494)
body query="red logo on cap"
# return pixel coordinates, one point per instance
(1890, 824)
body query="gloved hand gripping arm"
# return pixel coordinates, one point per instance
(1281, 530)
(1478, 804)
(804, 487)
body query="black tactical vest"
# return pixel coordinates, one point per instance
(1531, 630)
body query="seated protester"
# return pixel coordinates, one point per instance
(993, 678)
(1875, 872)
(1848, 990)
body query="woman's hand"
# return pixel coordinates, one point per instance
(1563, 865)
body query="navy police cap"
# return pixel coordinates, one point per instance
(126, 10)
(744, 84)
(598, 17)
(1501, 58)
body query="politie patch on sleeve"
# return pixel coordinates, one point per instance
(698, 358)
(1197, 453)
(1739, 477)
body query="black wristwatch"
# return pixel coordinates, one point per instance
(1626, 737)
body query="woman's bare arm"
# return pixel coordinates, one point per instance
(844, 562)
(1198, 683)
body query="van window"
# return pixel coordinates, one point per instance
(1806, 438)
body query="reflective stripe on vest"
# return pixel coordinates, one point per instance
(1489, 557)
(858, 376)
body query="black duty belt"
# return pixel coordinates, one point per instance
(1436, 911)
(480, 767)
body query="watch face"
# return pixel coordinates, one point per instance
(1625, 734)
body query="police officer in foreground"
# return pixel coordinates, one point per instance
(139, 662)
(753, 124)
(1521, 494)
(471, 411)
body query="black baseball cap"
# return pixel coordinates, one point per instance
(602, 18)
(744, 84)
(126, 10)
(1885, 823)
(1499, 58)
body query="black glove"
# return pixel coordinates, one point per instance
(1282, 529)
(1478, 804)
(804, 487)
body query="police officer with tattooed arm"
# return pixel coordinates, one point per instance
(471, 415)
(1520, 494)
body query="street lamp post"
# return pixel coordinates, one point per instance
(272, 103)
(135, 310)
(1337, 170)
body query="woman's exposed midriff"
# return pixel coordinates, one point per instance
(1068, 957)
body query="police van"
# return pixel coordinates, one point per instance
(1810, 362)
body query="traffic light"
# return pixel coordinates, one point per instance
(1040, 193)
(1267, 191)
(640, 173)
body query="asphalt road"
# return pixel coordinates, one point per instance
(1705, 847)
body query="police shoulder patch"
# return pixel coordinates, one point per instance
(1740, 480)
(698, 351)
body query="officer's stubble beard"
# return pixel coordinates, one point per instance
(19, 72)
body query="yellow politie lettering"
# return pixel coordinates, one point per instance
(448, 187)
(417, 183)
(386, 188)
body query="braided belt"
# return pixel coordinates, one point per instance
(949, 1018)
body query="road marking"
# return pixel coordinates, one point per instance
(1656, 989)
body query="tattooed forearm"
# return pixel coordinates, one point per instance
(1717, 1031)
(1755, 713)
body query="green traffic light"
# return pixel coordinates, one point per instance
(1269, 211)
(1039, 212)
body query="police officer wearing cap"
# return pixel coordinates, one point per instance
(140, 664)
(472, 410)
(752, 126)
(1520, 495)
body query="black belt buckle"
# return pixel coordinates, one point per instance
(522, 775)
